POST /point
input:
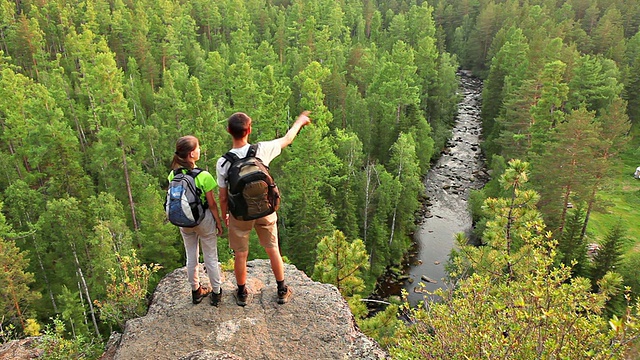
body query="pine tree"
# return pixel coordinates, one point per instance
(22, 213)
(345, 197)
(509, 62)
(64, 227)
(392, 91)
(405, 169)
(378, 188)
(507, 220)
(615, 127)
(594, 84)
(15, 294)
(567, 168)
(632, 79)
(608, 36)
(341, 262)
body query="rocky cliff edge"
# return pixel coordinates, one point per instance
(315, 324)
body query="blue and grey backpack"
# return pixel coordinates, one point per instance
(183, 205)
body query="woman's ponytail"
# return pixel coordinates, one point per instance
(184, 146)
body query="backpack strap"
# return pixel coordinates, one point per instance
(193, 172)
(230, 157)
(253, 150)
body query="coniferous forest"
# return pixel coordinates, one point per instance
(94, 94)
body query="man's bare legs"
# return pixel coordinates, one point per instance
(240, 267)
(284, 291)
(276, 262)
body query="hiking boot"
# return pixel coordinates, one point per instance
(215, 298)
(284, 295)
(198, 295)
(241, 297)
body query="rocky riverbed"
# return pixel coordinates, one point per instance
(459, 169)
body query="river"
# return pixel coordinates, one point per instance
(459, 169)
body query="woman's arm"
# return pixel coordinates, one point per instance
(213, 206)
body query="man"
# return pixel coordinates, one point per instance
(239, 126)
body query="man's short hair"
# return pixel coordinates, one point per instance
(238, 125)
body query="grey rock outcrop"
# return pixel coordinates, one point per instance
(20, 349)
(315, 324)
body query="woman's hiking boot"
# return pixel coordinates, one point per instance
(198, 295)
(215, 298)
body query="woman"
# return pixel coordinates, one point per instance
(207, 231)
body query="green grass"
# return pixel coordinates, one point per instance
(623, 196)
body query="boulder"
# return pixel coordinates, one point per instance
(316, 324)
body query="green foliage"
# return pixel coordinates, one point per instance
(126, 296)
(632, 79)
(607, 259)
(16, 297)
(56, 346)
(341, 262)
(495, 319)
(507, 227)
(517, 303)
(572, 247)
(73, 313)
(629, 270)
(594, 83)
(565, 172)
(383, 326)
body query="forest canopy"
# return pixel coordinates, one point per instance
(94, 94)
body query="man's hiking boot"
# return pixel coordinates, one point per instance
(242, 298)
(198, 295)
(215, 298)
(284, 295)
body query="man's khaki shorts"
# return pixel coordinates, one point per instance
(266, 228)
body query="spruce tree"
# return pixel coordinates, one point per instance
(609, 253)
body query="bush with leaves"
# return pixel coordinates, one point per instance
(382, 326)
(56, 347)
(127, 292)
(540, 313)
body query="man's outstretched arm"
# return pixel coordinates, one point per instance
(301, 121)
